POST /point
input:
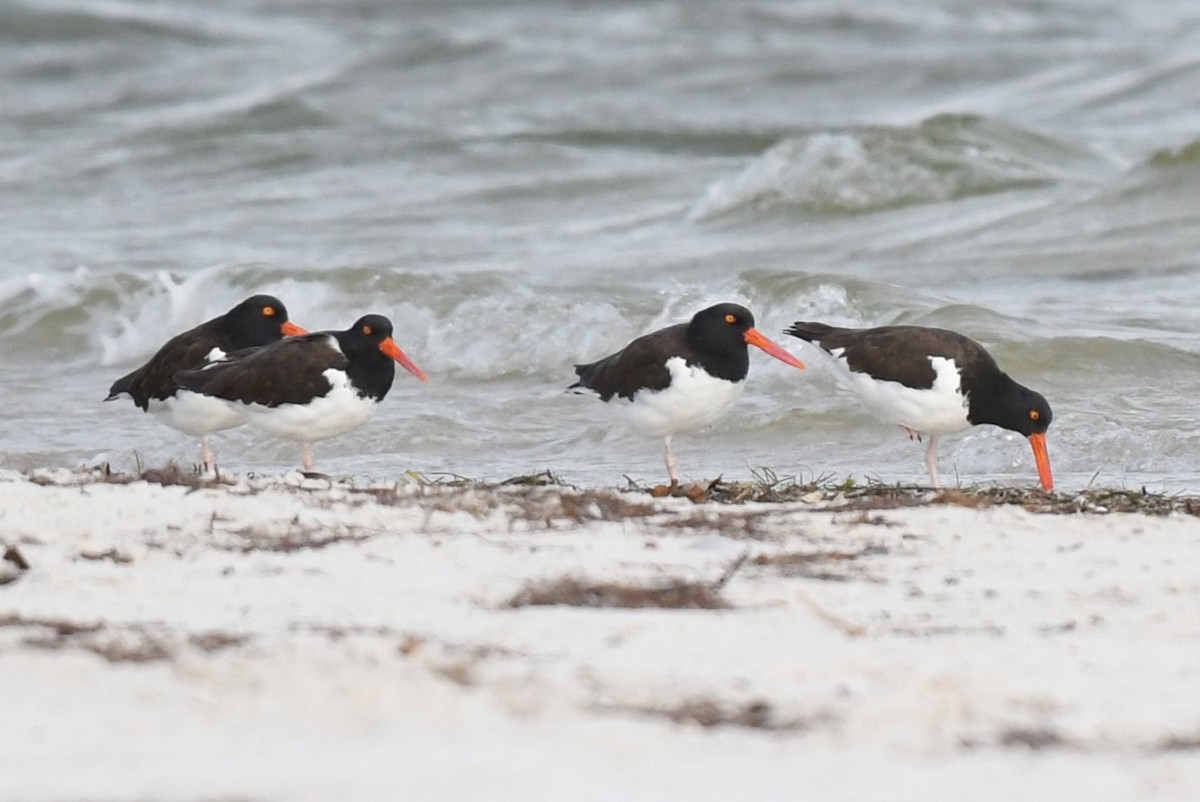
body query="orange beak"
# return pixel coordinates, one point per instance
(755, 337)
(1042, 457)
(389, 347)
(290, 329)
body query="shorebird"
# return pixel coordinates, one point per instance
(933, 382)
(258, 320)
(680, 378)
(308, 388)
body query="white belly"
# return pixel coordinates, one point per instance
(338, 411)
(196, 414)
(692, 401)
(941, 409)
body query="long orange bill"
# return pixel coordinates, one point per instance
(755, 337)
(1042, 457)
(390, 348)
(290, 329)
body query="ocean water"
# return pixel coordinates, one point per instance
(525, 185)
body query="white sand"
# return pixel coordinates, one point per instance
(967, 654)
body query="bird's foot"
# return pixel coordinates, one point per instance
(911, 434)
(662, 491)
(206, 470)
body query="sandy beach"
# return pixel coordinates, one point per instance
(292, 638)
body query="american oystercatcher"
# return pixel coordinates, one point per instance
(933, 381)
(681, 378)
(308, 388)
(258, 320)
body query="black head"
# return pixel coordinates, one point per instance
(258, 320)
(370, 341)
(721, 329)
(1020, 410)
(722, 332)
(367, 334)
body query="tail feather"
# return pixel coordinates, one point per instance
(582, 387)
(806, 330)
(594, 379)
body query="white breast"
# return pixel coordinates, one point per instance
(338, 411)
(693, 400)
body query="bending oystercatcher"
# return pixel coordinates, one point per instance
(680, 378)
(933, 381)
(258, 320)
(308, 388)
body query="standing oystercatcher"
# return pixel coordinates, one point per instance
(258, 320)
(308, 388)
(934, 382)
(681, 378)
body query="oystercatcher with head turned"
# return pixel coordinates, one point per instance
(934, 382)
(308, 388)
(681, 378)
(258, 320)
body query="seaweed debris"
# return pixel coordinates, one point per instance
(576, 592)
(852, 496)
(708, 712)
(766, 487)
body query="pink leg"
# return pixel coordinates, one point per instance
(672, 469)
(672, 465)
(207, 456)
(931, 461)
(306, 457)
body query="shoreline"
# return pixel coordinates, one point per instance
(290, 638)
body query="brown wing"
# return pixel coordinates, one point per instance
(895, 353)
(291, 371)
(155, 379)
(641, 365)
